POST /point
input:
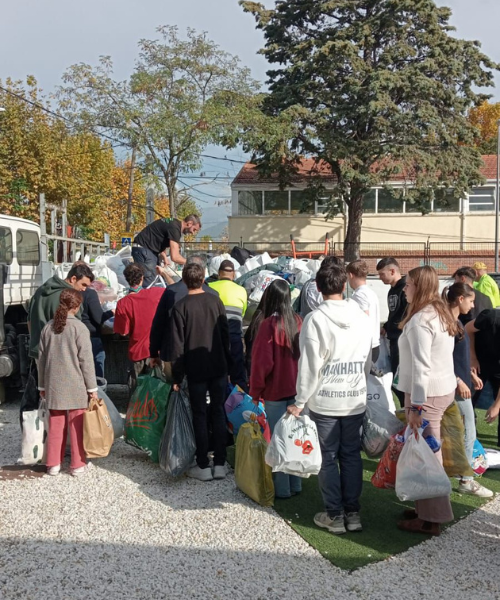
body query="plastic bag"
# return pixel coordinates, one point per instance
(379, 425)
(213, 266)
(241, 409)
(146, 414)
(479, 460)
(419, 474)
(383, 363)
(385, 473)
(264, 279)
(294, 447)
(117, 421)
(379, 389)
(105, 274)
(98, 434)
(492, 458)
(455, 460)
(31, 396)
(34, 439)
(177, 445)
(253, 476)
(117, 263)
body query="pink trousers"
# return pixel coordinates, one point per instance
(434, 510)
(58, 432)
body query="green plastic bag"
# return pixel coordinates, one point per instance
(453, 443)
(147, 413)
(253, 476)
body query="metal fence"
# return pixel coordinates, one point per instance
(445, 257)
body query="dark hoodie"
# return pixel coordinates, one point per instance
(42, 308)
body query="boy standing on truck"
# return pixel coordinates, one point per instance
(45, 301)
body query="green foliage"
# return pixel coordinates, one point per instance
(379, 90)
(183, 95)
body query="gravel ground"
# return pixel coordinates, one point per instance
(124, 530)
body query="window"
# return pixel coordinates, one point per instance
(27, 247)
(388, 203)
(249, 203)
(417, 208)
(5, 246)
(300, 202)
(275, 203)
(482, 198)
(369, 201)
(447, 204)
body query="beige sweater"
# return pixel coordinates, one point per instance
(66, 366)
(426, 358)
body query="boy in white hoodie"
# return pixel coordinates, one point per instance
(335, 357)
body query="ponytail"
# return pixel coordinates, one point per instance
(69, 300)
(452, 293)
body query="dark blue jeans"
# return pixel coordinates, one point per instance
(99, 356)
(341, 475)
(148, 260)
(198, 397)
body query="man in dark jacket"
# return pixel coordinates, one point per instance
(45, 301)
(93, 317)
(390, 273)
(481, 301)
(161, 329)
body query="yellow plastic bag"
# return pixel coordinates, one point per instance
(252, 475)
(453, 443)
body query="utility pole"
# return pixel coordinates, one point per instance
(130, 195)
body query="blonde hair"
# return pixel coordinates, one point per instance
(427, 294)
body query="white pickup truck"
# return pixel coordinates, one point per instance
(24, 266)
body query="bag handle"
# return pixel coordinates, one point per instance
(157, 278)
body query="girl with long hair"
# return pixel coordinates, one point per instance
(427, 378)
(66, 379)
(460, 299)
(275, 357)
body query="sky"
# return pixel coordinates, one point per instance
(44, 37)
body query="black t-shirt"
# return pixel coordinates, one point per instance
(487, 342)
(156, 237)
(396, 300)
(481, 302)
(200, 338)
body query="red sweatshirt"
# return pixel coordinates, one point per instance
(274, 369)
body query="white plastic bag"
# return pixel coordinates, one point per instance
(262, 281)
(379, 425)
(294, 447)
(117, 263)
(214, 265)
(419, 474)
(35, 432)
(104, 273)
(379, 389)
(492, 458)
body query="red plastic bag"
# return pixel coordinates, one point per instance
(385, 473)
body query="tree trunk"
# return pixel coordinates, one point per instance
(130, 195)
(171, 191)
(353, 233)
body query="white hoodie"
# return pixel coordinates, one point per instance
(335, 343)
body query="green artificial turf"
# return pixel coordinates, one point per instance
(380, 512)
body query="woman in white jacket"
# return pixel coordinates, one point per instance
(427, 377)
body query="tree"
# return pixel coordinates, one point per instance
(182, 96)
(485, 118)
(377, 89)
(39, 153)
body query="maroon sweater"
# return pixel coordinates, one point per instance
(274, 368)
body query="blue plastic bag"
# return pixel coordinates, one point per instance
(241, 409)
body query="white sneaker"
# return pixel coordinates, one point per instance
(469, 486)
(200, 474)
(219, 472)
(335, 525)
(353, 522)
(54, 470)
(81, 470)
